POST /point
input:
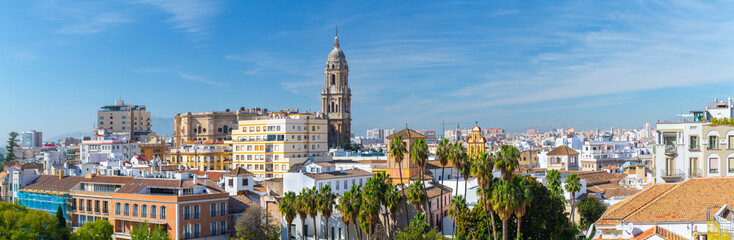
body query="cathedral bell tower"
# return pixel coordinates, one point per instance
(336, 97)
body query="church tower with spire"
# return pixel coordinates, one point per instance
(336, 97)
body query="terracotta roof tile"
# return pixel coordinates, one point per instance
(53, 183)
(240, 203)
(406, 134)
(238, 172)
(562, 150)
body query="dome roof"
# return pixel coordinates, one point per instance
(336, 54)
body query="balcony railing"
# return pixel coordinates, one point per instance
(670, 149)
(695, 172)
(671, 173)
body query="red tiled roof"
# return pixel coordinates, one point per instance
(406, 134)
(356, 172)
(562, 150)
(53, 183)
(238, 172)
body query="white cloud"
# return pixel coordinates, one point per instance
(190, 16)
(183, 76)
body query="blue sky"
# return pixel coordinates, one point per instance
(514, 65)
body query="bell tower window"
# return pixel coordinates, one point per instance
(333, 79)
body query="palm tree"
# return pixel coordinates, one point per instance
(397, 151)
(416, 196)
(349, 206)
(482, 171)
(457, 155)
(419, 156)
(553, 179)
(302, 209)
(443, 153)
(506, 161)
(369, 213)
(326, 206)
(503, 202)
(313, 208)
(458, 207)
(525, 196)
(393, 202)
(383, 184)
(345, 208)
(287, 208)
(573, 185)
(466, 172)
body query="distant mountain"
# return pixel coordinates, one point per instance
(71, 134)
(162, 126)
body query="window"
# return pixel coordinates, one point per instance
(153, 211)
(337, 184)
(222, 209)
(117, 208)
(135, 210)
(124, 117)
(244, 182)
(163, 212)
(81, 205)
(197, 211)
(693, 166)
(731, 141)
(713, 142)
(714, 165)
(89, 205)
(345, 184)
(127, 209)
(144, 211)
(187, 212)
(223, 226)
(197, 230)
(212, 228)
(187, 231)
(213, 210)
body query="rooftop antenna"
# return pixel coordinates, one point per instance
(336, 30)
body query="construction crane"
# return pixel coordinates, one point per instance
(443, 126)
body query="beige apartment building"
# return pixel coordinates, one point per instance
(269, 145)
(210, 126)
(125, 118)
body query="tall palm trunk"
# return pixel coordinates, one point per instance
(519, 222)
(505, 224)
(387, 224)
(494, 228)
(443, 171)
(488, 214)
(457, 193)
(428, 202)
(289, 231)
(326, 227)
(315, 231)
(303, 228)
(346, 226)
(400, 168)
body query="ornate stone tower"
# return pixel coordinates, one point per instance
(336, 97)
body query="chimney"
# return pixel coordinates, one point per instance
(61, 174)
(196, 178)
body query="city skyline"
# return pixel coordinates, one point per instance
(514, 66)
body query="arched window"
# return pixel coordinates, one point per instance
(333, 79)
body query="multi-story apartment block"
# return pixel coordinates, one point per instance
(124, 118)
(31, 139)
(203, 155)
(210, 126)
(186, 208)
(268, 146)
(596, 155)
(695, 147)
(153, 149)
(107, 146)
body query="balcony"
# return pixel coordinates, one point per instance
(671, 175)
(695, 172)
(670, 150)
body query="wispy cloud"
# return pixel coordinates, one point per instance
(183, 76)
(189, 16)
(82, 18)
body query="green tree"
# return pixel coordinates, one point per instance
(142, 231)
(573, 185)
(302, 202)
(506, 161)
(457, 157)
(345, 143)
(349, 206)
(481, 169)
(397, 150)
(458, 208)
(12, 143)
(524, 198)
(393, 202)
(503, 202)
(553, 178)
(545, 218)
(253, 225)
(97, 230)
(64, 232)
(369, 213)
(419, 230)
(327, 199)
(416, 196)
(288, 209)
(590, 209)
(443, 153)
(312, 208)
(419, 156)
